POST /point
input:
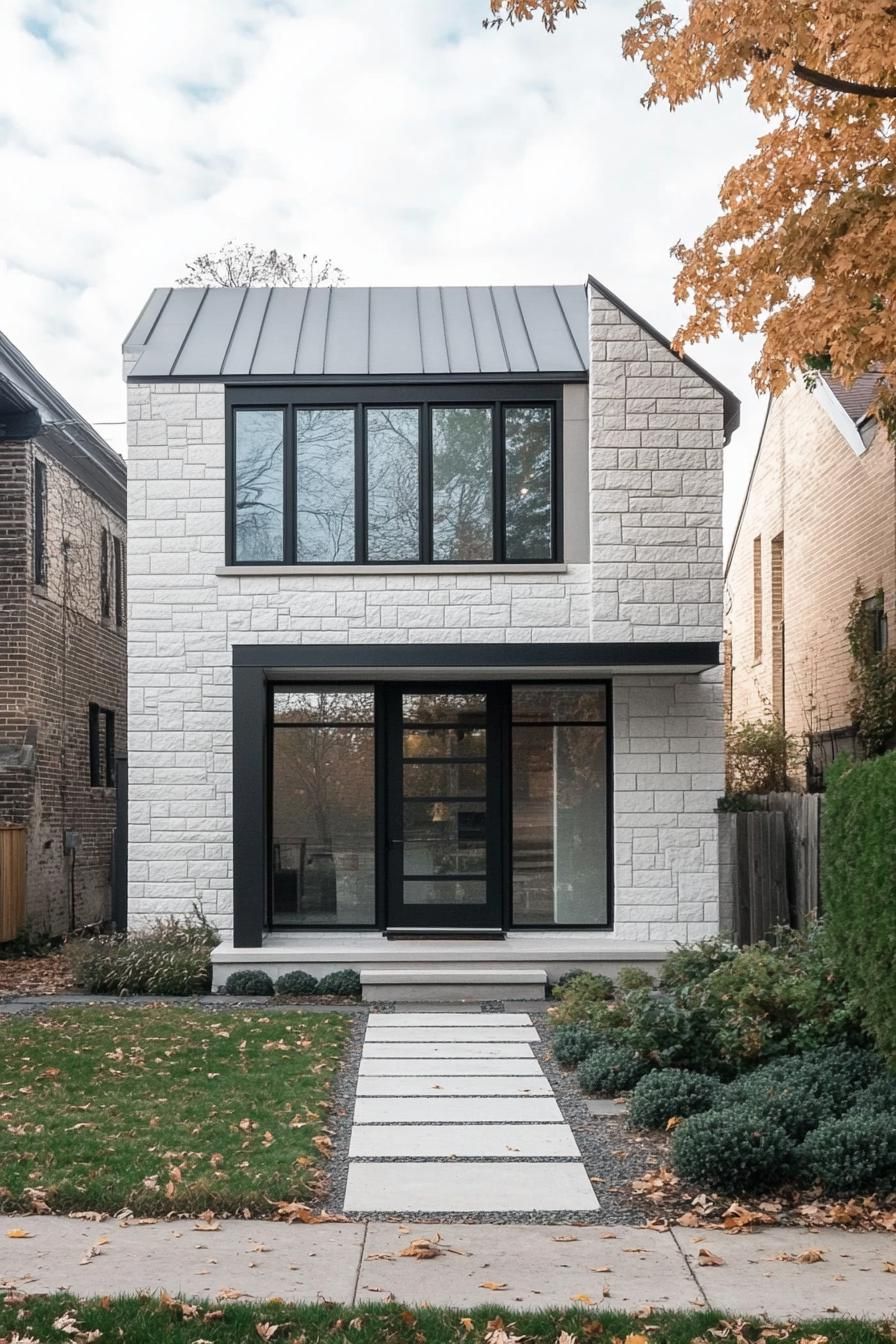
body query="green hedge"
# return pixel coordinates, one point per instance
(859, 886)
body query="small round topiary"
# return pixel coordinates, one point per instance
(296, 982)
(735, 1150)
(249, 982)
(574, 1042)
(841, 1071)
(853, 1155)
(780, 1093)
(665, 1093)
(347, 984)
(879, 1095)
(632, 978)
(593, 986)
(610, 1069)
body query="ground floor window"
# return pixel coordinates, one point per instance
(439, 807)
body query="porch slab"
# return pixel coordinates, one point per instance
(437, 1019)
(426, 1049)
(478, 982)
(483, 1085)
(509, 1141)
(449, 1068)
(460, 1110)
(458, 1035)
(468, 1187)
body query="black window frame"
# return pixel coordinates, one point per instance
(39, 522)
(875, 615)
(118, 576)
(105, 586)
(101, 757)
(424, 398)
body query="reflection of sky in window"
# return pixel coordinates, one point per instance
(393, 506)
(258, 459)
(325, 484)
(527, 459)
(462, 483)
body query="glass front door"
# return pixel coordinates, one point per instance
(443, 826)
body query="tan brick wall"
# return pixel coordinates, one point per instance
(835, 515)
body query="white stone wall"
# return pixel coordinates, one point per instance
(184, 618)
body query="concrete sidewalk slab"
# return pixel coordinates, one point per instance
(437, 1019)
(540, 1267)
(849, 1281)
(455, 1110)
(468, 1187)
(456, 1068)
(261, 1259)
(455, 1035)
(476, 1049)
(463, 1141)
(427, 1085)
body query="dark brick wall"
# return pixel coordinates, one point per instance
(64, 656)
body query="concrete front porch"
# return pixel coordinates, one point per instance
(422, 967)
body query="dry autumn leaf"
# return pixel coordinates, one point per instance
(492, 1286)
(467, 1323)
(18, 1233)
(706, 1257)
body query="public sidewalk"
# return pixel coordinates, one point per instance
(513, 1266)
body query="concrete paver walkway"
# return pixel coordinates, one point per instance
(502, 1140)
(610, 1268)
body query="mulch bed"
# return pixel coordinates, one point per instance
(24, 976)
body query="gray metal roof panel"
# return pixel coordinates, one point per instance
(206, 343)
(432, 329)
(275, 353)
(346, 350)
(244, 335)
(385, 331)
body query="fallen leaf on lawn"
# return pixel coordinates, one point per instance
(467, 1323)
(245, 1125)
(643, 1313)
(565, 1337)
(422, 1248)
(207, 1227)
(186, 1309)
(323, 1143)
(707, 1257)
(231, 1294)
(492, 1286)
(17, 1233)
(889, 1267)
(288, 1212)
(583, 1297)
(635, 1339)
(496, 1332)
(90, 1216)
(265, 1330)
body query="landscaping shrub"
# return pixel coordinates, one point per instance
(565, 978)
(854, 1154)
(579, 994)
(734, 1150)
(169, 957)
(879, 1095)
(859, 886)
(665, 1093)
(249, 982)
(632, 978)
(296, 982)
(758, 756)
(345, 983)
(610, 1069)
(692, 962)
(573, 1042)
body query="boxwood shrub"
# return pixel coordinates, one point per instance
(249, 982)
(664, 1093)
(345, 983)
(736, 1151)
(859, 882)
(610, 1069)
(879, 1095)
(573, 1042)
(853, 1154)
(296, 982)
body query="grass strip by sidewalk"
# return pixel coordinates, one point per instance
(164, 1109)
(146, 1320)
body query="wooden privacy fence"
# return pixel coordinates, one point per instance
(769, 865)
(12, 881)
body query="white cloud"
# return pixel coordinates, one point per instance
(399, 138)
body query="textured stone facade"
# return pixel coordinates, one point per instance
(653, 433)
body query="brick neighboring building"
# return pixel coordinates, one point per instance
(819, 514)
(63, 656)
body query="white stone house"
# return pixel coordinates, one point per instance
(424, 621)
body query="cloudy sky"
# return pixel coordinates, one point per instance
(395, 136)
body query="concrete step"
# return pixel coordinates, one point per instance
(450, 984)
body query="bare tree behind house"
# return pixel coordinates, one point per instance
(237, 264)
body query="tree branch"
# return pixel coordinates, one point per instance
(835, 85)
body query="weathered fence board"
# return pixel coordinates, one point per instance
(12, 881)
(770, 873)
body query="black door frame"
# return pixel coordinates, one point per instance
(491, 917)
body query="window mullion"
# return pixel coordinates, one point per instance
(499, 503)
(426, 484)
(290, 486)
(360, 484)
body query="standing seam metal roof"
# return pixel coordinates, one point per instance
(361, 332)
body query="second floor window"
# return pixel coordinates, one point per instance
(386, 481)
(39, 520)
(111, 576)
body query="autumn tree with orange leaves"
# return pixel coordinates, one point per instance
(804, 249)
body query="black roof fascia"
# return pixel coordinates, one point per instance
(359, 379)
(469, 657)
(730, 401)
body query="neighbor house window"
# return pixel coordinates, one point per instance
(104, 574)
(39, 520)
(757, 599)
(322, 807)
(461, 478)
(101, 745)
(876, 622)
(559, 805)
(118, 569)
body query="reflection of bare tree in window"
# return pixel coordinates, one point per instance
(393, 504)
(325, 484)
(527, 453)
(462, 483)
(258, 485)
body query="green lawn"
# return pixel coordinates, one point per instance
(146, 1321)
(163, 1109)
